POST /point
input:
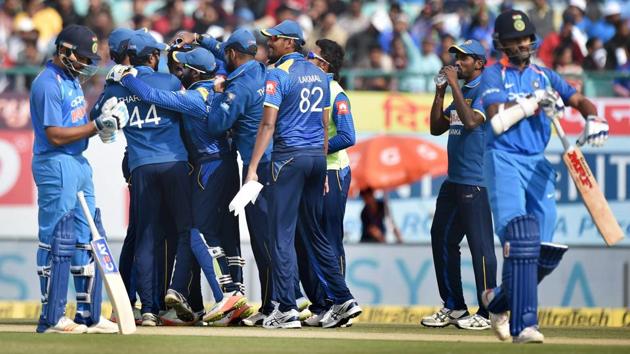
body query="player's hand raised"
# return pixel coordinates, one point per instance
(119, 71)
(595, 131)
(183, 38)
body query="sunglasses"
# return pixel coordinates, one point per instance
(275, 37)
(312, 55)
(195, 69)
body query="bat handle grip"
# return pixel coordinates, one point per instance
(88, 216)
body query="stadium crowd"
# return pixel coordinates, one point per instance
(389, 37)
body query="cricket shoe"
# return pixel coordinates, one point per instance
(500, 322)
(137, 316)
(347, 324)
(255, 319)
(339, 314)
(177, 301)
(150, 320)
(529, 334)
(279, 319)
(66, 326)
(169, 318)
(231, 301)
(474, 322)
(443, 317)
(103, 326)
(315, 320)
(234, 317)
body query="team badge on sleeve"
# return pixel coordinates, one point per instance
(342, 107)
(270, 87)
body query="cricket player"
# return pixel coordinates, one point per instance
(215, 178)
(62, 130)
(462, 205)
(519, 97)
(296, 98)
(159, 171)
(328, 56)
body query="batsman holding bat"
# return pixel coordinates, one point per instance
(62, 130)
(520, 98)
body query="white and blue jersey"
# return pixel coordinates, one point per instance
(57, 101)
(503, 83)
(300, 91)
(193, 104)
(153, 133)
(466, 147)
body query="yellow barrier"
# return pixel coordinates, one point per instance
(547, 317)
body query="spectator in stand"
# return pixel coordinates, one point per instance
(481, 28)
(208, 16)
(622, 85)
(45, 19)
(577, 10)
(354, 21)
(542, 16)
(564, 64)
(68, 14)
(558, 39)
(604, 28)
(99, 18)
(423, 64)
(423, 25)
(327, 27)
(377, 59)
(445, 43)
(172, 19)
(358, 45)
(374, 215)
(616, 46)
(596, 58)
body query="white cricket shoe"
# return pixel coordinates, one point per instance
(500, 322)
(347, 324)
(255, 319)
(474, 322)
(67, 326)
(339, 314)
(314, 320)
(279, 319)
(443, 317)
(529, 334)
(150, 320)
(231, 301)
(103, 326)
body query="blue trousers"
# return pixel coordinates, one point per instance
(157, 187)
(296, 201)
(462, 210)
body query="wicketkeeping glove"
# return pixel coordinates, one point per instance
(114, 116)
(595, 131)
(119, 71)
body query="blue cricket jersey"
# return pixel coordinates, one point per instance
(193, 104)
(502, 83)
(300, 92)
(153, 133)
(57, 101)
(466, 147)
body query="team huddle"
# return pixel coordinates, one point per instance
(290, 123)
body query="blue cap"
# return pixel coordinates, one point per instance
(119, 39)
(242, 40)
(143, 43)
(199, 58)
(286, 29)
(470, 47)
(81, 40)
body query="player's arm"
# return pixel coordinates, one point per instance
(470, 118)
(189, 102)
(438, 122)
(342, 118)
(208, 42)
(263, 138)
(226, 108)
(65, 135)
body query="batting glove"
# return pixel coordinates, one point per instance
(119, 71)
(114, 116)
(595, 131)
(550, 102)
(108, 137)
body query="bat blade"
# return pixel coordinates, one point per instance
(592, 196)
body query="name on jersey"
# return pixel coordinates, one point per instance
(309, 78)
(129, 99)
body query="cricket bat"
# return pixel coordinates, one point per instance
(592, 195)
(111, 277)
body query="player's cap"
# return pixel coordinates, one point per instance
(143, 43)
(118, 39)
(286, 29)
(611, 8)
(580, 4)
(513, 24)
(198, 58)
(470, 47)
(81, 40)
(242, 40)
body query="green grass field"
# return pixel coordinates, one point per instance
(360, 339)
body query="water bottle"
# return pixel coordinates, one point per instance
(440, 79)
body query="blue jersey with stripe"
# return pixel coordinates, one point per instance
(466, 146)
(193, 104)
(153, 133)
(502, 83)
(57, 101)
(300, 91)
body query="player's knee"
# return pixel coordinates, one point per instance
(63, 239)
(522, 238)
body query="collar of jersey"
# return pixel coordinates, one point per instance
(59, 71)
(204, 83)
(241, 69)
(474, 83)
(144, 69)
(293, 55)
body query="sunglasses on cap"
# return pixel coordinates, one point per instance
(312, 55)
(275, 37)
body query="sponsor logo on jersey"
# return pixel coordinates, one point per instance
(270, 87)
(342, 107)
